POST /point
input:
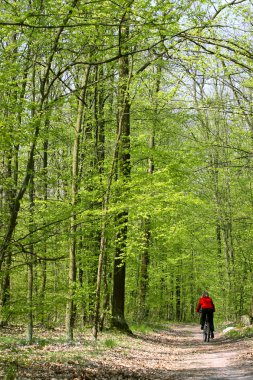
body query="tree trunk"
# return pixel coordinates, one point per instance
(44, 264)
(5, 273)
(143, 310)
(119, 274)
(118, 294)
(70, 307)
(99, 282)
(30, 259)
(100, 155)
(30, 302)
(178, 298)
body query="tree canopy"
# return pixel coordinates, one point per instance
(126, 158)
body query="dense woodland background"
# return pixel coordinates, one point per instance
(126, 161)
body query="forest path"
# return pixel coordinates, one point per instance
(179, 353)
(220, 358)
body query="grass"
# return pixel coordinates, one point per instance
(110, 343)
(54, 348)
(240, 332)
(51, 352)
(10, 371)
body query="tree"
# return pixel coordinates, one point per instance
(131, 208)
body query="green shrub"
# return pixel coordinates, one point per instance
(245, 332)
(10, 372)
(110, 343)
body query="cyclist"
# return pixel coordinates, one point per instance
(206, 306)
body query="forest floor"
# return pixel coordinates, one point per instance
(176, 352)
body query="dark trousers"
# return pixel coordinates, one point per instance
(209, 313)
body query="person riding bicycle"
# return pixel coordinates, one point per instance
(207, 308)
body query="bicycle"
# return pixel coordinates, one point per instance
(206, 330)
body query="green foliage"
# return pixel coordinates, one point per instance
(246, 332)
(110, 343)
(189, 196)
(10, 372)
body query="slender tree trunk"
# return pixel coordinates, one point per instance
(100, 155)
(70, 307)
(100, 121)
(143, 310)
(171, 304)
(119, 274)
(31, 260)
(178, 298)
(45, 197)
(99, 282)
(5, 289)
(223, 275)
(192, 286)
(30, 302)
(5, 273)
(119, 270)
(106, 300)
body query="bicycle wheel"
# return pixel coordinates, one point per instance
(205, 333)
(208, 331)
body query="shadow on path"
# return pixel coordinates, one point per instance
(220, 358)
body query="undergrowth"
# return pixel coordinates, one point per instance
(240, 332)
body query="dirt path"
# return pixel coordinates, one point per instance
(180, 354)
(219, 359)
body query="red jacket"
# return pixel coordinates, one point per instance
(205, 303)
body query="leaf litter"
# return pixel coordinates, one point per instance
(175, 353)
